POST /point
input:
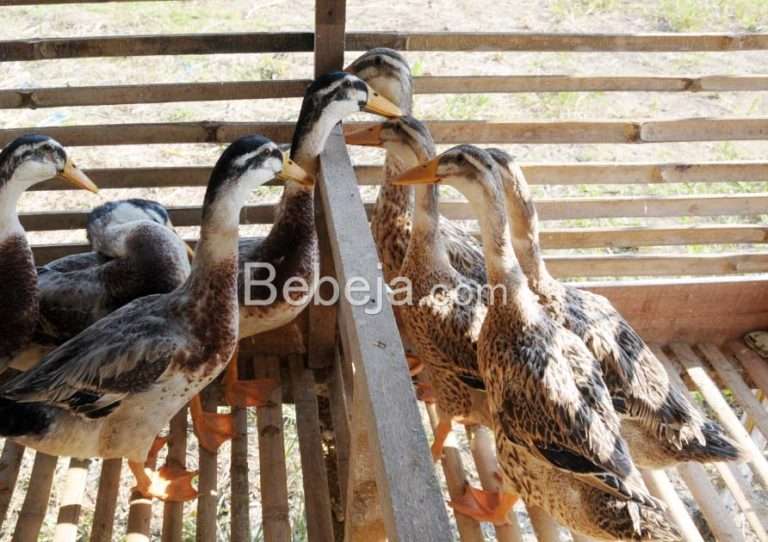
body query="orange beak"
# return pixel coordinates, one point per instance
(367, 137)
(425, 173)
(75, 176)
(379, 105)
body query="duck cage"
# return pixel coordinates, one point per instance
(367, 471)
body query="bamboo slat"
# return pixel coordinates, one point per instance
(455, 480)
(719, 520)
(341, 423)
(546, 529)
(240, 523)
(10, 462)
(106, 501)
(139, 515)
(661, 487)
(315, 477)
(694, 368)
(173, 512)
(35, 505)
(754, 511)
(35, 98)
(445, 132)
(272, 471)
(71, 500)
(539, 174)
(207, 482)
(754, 365)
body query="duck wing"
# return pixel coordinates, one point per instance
(123, 353)
(564, 419)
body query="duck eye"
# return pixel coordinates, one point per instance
(460, 159)
(378, 61)
(347, 84)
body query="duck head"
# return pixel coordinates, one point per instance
(387, 71)
(31, 159)
(405, 138)
(327, 101)
(467, 168)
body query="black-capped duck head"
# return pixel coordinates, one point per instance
(405, 138)
(31, 159)
(388, 73)
(328, 100)
(467, 168)
(246, 164)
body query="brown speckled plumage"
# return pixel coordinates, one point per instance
(19, 295)
(639, 385)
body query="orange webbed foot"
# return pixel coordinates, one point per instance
(415, 365)
(171, 483)
(481, 505)
(250, 393)
(212, 429)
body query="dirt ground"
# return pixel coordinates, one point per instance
(197, 16)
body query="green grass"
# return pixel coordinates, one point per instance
(565, 9)
(466, 106)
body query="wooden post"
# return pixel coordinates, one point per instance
(412, 504)
(35, 504)
(71, 500)
(10, 462)
(207, 482)
(106, 500)
(173, 512)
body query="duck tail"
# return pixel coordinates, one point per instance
(717, 446)
(632, 521)
(24, 419)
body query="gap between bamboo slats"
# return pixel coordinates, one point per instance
(34, 98)
(281, 42)
(445, 132)
(599, 173)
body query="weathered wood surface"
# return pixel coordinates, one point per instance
(10, 462)
(173, 512)
(478, 132)
(267, 42)
(106, 501)
(404, 472)
(71, 500)
(35, 505)
(35, 98)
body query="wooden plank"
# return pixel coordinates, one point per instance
(443, 132)
(38, 98)
(755, 366)
(316, 494)
(385, 390)
(541, 174)
(485, 84)
(106, 501)
(35, 505)
(568, 42)
(34, 98)
(173, 512)
(632, 206)
(71, 500)
(734, 381)
(207, 482)
(341, 423)
(661, 487)
(709, 502)
(163, 44)
(10, 462)
(240, 523)
(455, 480)
(698, 374)
(272, 470)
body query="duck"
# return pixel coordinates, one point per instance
(109, 391)
(135, 252)
(289, 251)
(658, 421)
(388, 72)
(545, 391)
(442, 331)
(25, 162)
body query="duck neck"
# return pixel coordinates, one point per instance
(426, 225)
(525, 232)
(506, 279)
(9, 217)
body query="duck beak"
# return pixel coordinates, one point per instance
(75, 176)
(379, 105)
(426, 173)
(368, 137)
(294, 172)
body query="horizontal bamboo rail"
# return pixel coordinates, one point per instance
(538, 174)
(478, 132)
(266, 42)
(34, 98)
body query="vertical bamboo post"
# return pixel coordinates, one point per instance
(207, 482)
(35, 504)
(71, 500)
(240, 525)
(140, 514)
(661, 487)
(10, 462)
(106, 500)
(173, 512)
(544, 526)
(272, 471)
